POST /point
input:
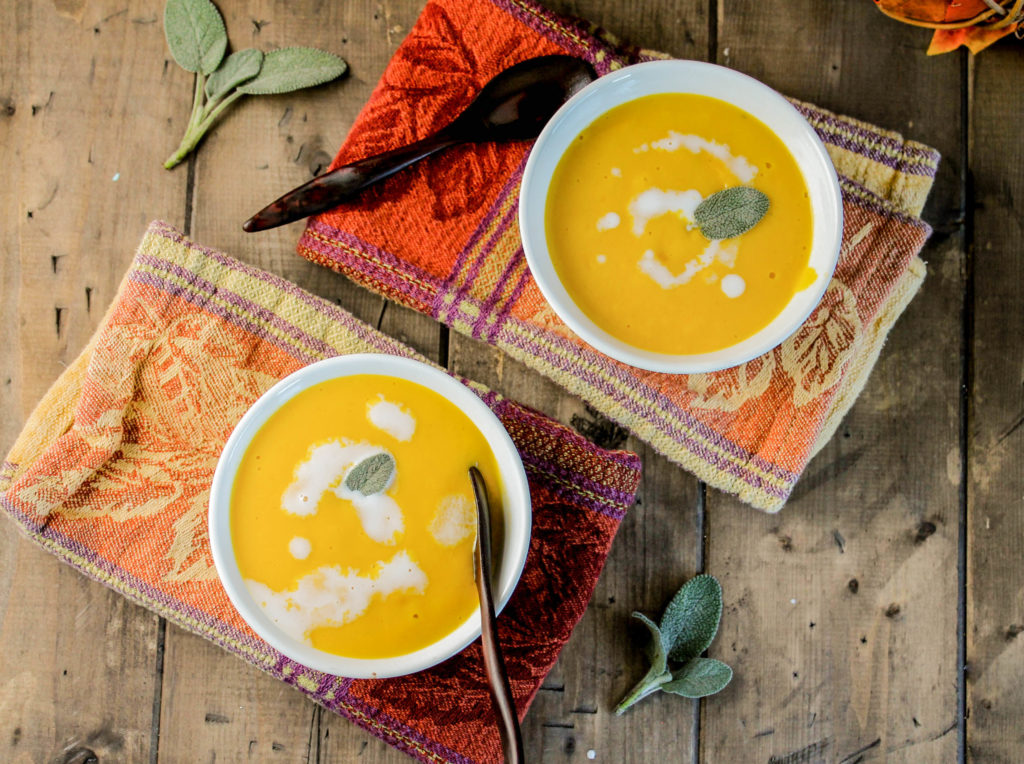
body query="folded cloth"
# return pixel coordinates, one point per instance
(113, 470)
(443, 238)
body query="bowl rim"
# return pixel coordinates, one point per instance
(515, 496)
(692, 76)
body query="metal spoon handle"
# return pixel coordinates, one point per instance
(330, 189)
(494, 664)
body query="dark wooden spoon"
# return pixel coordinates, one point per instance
(515, 105)
(494, 664)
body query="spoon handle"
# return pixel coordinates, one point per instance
(494, 664)
(330, 189)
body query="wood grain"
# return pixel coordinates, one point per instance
(841, 616)
(841, 611)
(995, 633)
(263, 147)
(82, 178)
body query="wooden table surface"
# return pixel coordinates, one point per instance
(875, 619)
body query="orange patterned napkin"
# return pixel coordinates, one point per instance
(443, 238)
(112, 474)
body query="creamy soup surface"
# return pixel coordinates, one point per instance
(620, 224)
(362, 576)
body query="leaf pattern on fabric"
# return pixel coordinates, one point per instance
(730, 389)
(815, 356)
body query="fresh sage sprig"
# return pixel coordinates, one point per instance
(372, 475)
(731, 212)
(687, 627)
(198, 40)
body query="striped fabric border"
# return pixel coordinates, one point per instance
(614, 390)
(243, 296)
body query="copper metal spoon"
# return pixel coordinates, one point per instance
(494, 664)
(514, 105)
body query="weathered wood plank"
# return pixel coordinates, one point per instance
(995, 628)
(657, 546)
(841, 611)
(265, 146)
(82, 178)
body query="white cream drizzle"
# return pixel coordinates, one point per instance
(392, 418)
(608, 222)
(454, 520)
(737, 165)
(331, 596)
(655, 202)
(324, 470)
(658, 271)
(733, 285)
(299, 547)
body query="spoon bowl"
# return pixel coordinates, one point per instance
(514, 105)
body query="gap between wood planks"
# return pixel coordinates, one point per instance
(966, 388)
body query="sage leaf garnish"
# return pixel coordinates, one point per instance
(372, 475)
(198, 40)
(195, 34)
(688, 626)
(698, 678)
(291, 69)
(731, 212)
(691, 619)
(241, 66)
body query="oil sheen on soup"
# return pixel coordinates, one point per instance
(363, 576)
(620, 224)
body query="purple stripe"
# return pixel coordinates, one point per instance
(474, 269)
(221, 633)
(487, 309)
(202, 300)
(320, 305)
(363, 332)
(505, 192)
(532, 15)
(502, 316)
(562, 485)
(268, 317)
(869, 144)
(871, 137)
(398, 726)
(132, 586)
(371, 261)
(585, 370)
(854, 193)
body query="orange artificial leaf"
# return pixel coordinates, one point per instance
(975, 38)
(975, 24)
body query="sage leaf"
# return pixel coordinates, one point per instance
(699, 678)
(372, 475)
(195, 34)
(657, 675)
(237, 68)
(290, 69)
(730, 212)
(690, 621)
(656, 650)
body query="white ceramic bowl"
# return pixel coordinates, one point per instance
(699, 78)
(515, 501)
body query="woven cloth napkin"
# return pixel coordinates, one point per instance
(443, 238)
(113, 469)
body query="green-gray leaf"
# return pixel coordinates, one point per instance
(195, 34)
(237, 68)
(698, 678)
(372, 475)
(656, 650)
(730, 212)
(290, 69)
(691, 619)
